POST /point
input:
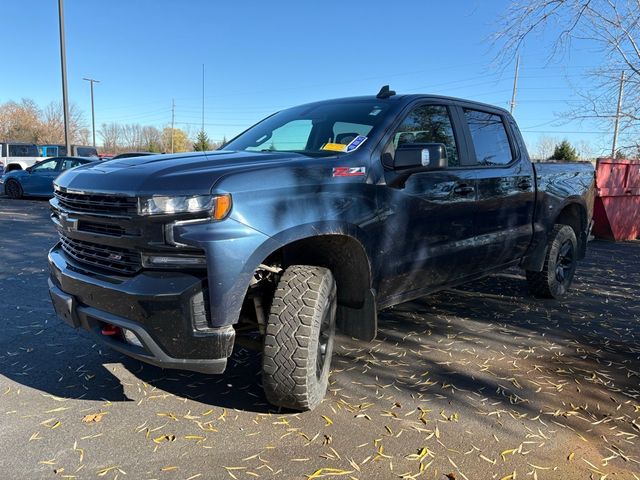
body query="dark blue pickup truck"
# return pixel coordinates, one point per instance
(319, 216)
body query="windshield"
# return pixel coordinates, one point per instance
(318, 129)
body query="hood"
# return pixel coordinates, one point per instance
(183, 174)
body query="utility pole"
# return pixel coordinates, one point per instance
(617, 121)
(515, 85)
(173, 118)
(93, 113)
(63, 65)
(202, 98)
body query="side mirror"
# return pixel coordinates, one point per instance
(422, 156)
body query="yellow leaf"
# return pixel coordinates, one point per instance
(327, 420)
(510, 451)
(164, 438)
(93, 417)
(104, 471)
(168, 415)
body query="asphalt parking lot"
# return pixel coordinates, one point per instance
(480, 382)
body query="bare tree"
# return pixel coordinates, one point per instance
(20, 122)
(131, 136)
(111, 134)
(612, 25)
(151, 139)
(52, 125)
(544, 147)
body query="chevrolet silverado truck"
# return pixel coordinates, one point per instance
(314, 219)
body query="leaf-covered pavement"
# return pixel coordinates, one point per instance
(480, 382)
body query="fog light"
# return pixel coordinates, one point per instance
(173, 261)
(131, 338)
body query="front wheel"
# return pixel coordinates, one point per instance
(559, 264)
(299, 338)
(13, 188)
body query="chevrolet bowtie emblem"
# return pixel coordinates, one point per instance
(67, 223)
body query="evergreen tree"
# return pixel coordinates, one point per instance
(202, 143)
(564, 151)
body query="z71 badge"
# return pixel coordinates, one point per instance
(349, 171)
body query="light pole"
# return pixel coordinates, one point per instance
(93, 114)
(63, 64)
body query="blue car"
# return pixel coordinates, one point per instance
(37, 180)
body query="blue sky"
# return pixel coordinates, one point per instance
(264, 56)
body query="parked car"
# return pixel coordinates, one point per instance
(320, 215)
(37, 180)
(18, 155)
(132, 154)
(61, 150)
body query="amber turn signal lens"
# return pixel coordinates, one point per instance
(221, 206)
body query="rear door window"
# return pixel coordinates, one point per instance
(70, 163)
(489, 136)
(87, 152)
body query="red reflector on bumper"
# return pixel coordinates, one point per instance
(110, 330)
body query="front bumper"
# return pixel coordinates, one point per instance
(163, 309)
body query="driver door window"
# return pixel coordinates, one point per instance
(46, 166)
(428, 124)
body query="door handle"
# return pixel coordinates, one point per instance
(524, 184)
(463, 189)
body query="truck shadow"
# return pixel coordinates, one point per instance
(488, 342)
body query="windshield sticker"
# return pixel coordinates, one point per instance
(375, 111)
(355, 143)
(335, 147)
(349, 171)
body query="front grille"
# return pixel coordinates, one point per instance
(118, 260)
(101, 228)
(97, 204)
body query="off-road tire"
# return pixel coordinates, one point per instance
(550, 282)
(13, 189)
(301, 318)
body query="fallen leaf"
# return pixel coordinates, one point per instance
(93, 417)
(164, 438)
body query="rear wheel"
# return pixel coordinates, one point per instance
(13, 188)
(299, 338)
(559, 265)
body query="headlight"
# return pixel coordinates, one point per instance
(218, 205)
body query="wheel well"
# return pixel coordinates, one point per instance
(341, 254)
(574, 216)
(12, 167)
